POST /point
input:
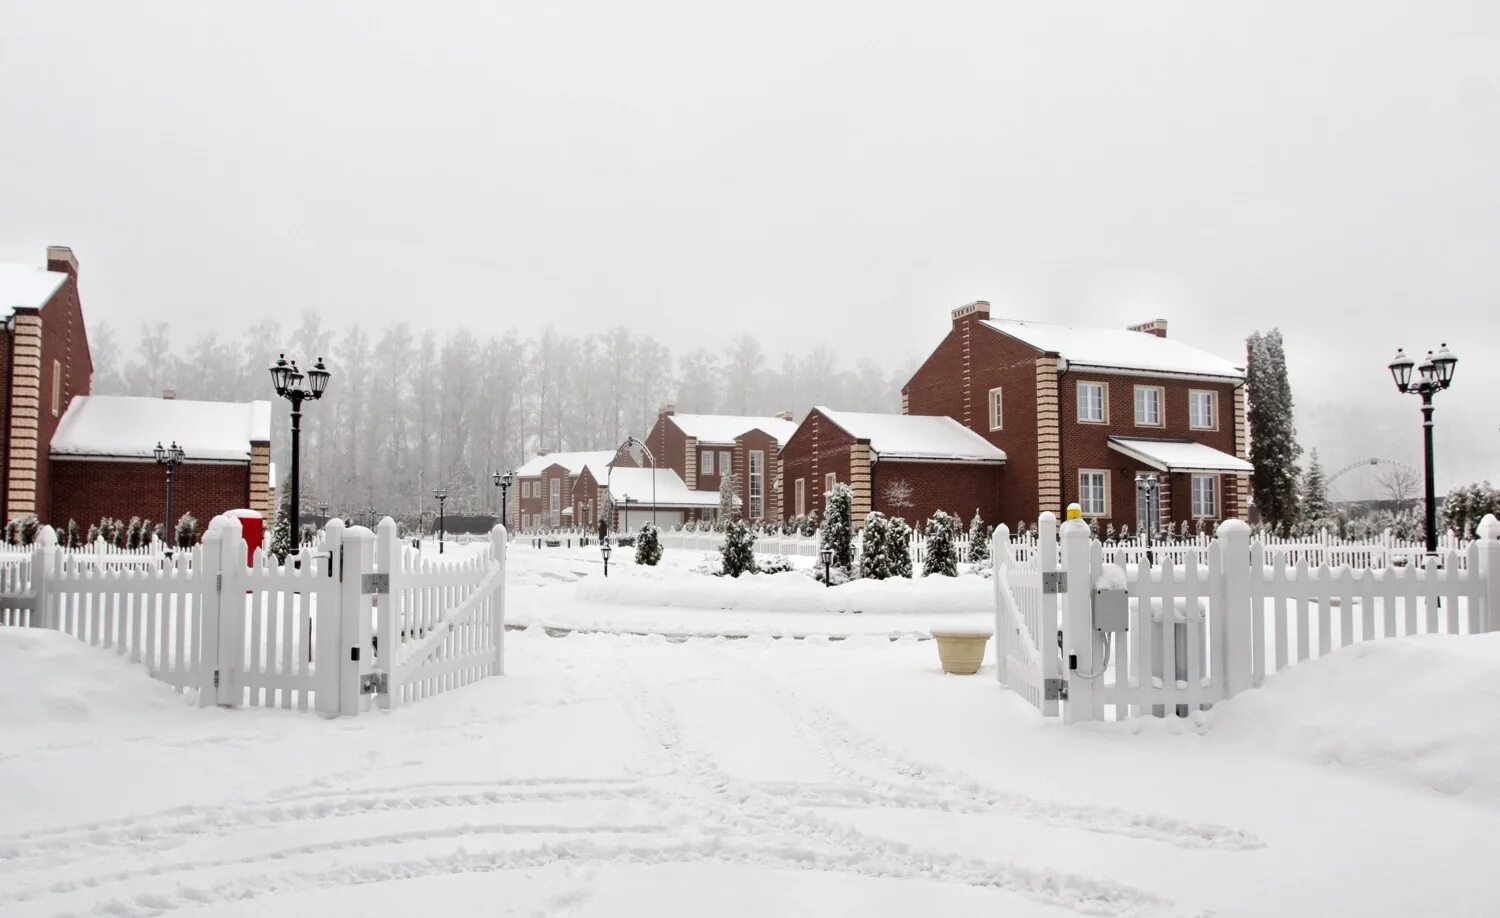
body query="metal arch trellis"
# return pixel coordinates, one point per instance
(1364, 462)
(631, 443)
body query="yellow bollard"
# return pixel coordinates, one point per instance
(1075, 512)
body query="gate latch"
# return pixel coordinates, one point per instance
(372, 684)
(1054, 582)
(375, 583)
(1056, 689)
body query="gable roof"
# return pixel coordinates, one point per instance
(129, 427)
(723, 428)
(671, 490)
(573, 462)
(928, 438)
(1117, 349)
(27, 286)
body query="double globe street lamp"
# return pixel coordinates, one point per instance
(170, 457)
(296, 387)
(503, 481)
(1435, 374)
(442, 498)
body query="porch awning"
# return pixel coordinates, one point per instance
(1179, 455)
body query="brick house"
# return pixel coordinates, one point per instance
(904, 466)
(44, 364)
(702, 448)
(1081, 411)
(545, 486)
(630, 498)
(103, 463)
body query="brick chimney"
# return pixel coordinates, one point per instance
(60, 258)
(1157, 327)
(667, 410)
(979, 309)
(169, 394)
(783, 415)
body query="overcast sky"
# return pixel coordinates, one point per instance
(835, 172)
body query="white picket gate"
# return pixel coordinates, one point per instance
(1208, 624)
(295, 635)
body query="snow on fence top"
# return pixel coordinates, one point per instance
(912, 436)
(130, 427)
(27, 286)
(723, 428)
(1118, 349)
(1179, 455)
(573, 462)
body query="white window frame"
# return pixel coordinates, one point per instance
(756, 486)
(1103, 387)
(56, 388)
(1083, 492)
(801, 502)
(1213, 409)
(706, 462)
(997, 408)
(829, 480)
(1213, 495)
(554, 504)
(726, 464)
(1161, 399)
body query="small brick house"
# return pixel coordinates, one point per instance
(1080, 412)
(702, 448)
(904, 466)
(545, 485)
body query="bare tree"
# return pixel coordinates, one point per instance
(898, 493)
(1399, 482)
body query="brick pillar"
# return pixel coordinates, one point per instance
(1240, 509)
(25, 412)
(1049, 491)
(691, 478)
(859, 483)
(260, 480)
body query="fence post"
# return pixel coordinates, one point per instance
(1078, 621)
(498, 543)
(1489, 569)
(353, 615)
(1004, 628)
(43, 557)
(388, 613)
(208, 601)
(231, 610)
(328, 645)
(1235, 628)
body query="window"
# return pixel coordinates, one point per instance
(1092, 401)
(56, 388)
(525, 521)
(1148, 406)
(997, 416)
(706, 462)
(1093, 492)
(726, 465)
(801, 497)
(1203, 409)
(556, 496)
(757, 484)
(829, 481)
(1205, 497)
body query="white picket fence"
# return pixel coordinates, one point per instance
(1200, 631)
(1324, 548)
(792, 546)
(306, 634)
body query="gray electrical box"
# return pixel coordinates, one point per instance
(1111, 611)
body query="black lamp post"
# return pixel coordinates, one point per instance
(1149, 487)
(604, 550)
(827, 555)
(503, 482)
(291, 384)
(1436, 372)
(442, 496)
(170, 457)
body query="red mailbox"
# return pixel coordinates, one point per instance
(253, 525)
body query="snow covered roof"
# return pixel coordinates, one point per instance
(723, 428)
(671, 490)
(125, 426)
(573, 462)
(914, 436)
(1118, 349)
(27, 286)
(1179, 455)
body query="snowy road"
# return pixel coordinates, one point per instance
(631, 776)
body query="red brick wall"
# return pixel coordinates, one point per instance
(956, 489)
(5, 345)
(816, 448)
(86, 491)
(765, 443)
(65, 341)
(668, 446)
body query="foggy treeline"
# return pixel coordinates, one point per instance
(410, 409)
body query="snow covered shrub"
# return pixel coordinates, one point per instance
(648, 546)
(979, 539)
(875, 560)
(187, 531)
(711, 566)
(941, 546)
(93, 533)
(281, 533)
(739, 549)
(838, 528)
(775, 564)
(1109, 533)
(71, 541)
(625, 540)
(898, 548)
(809, 524)
(133, 533)
(1465, 508)
(13, 532)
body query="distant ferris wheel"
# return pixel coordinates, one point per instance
(1361, 463)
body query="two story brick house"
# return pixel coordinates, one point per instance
(1080, 412)
(545, 488)
(702, 448)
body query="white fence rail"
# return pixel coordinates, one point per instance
(1203, 626)
(304, 634)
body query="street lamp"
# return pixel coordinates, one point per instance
(442, 496)
(604, 550)
(291, 384)
(1436, 372)
(503, 482)
(827, 555)
(1148, 487)
(170, 457)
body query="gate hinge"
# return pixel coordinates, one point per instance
(216, 678)
(1054, 582)
(1056, 689)
(375, 583)
(219, 583)
(372, 684)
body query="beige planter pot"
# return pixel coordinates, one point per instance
(961, 653)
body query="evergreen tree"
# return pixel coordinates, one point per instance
(93, 533)
(838, 528)
(941, 546)
(898, 548)
(72, 541)
(187, 531)
(738, 551)
(874, 548)
(133, 533)
(727, 510)
(281, 533)
(979, 539)
(1273, 435)
(1465, 508)
(1314, 498)
(648, 546)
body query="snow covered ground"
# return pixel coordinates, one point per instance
(625, 775)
